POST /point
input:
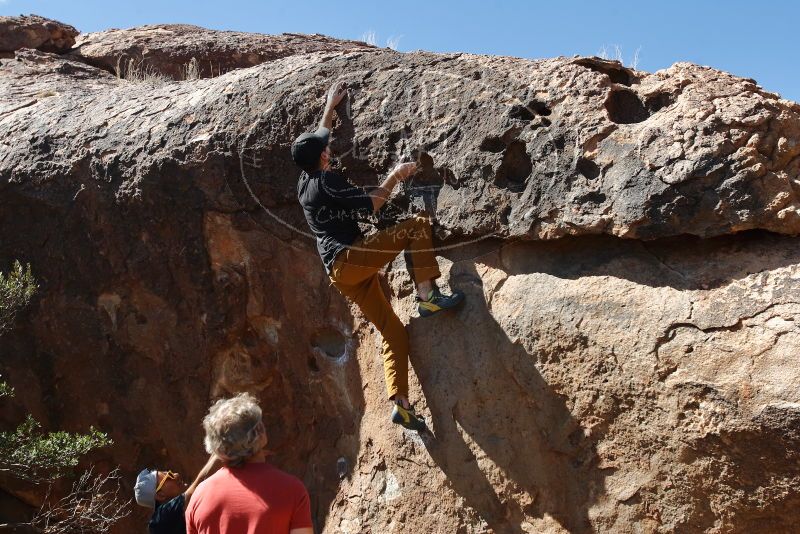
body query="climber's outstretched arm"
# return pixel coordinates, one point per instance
(212, 465)
(381, 193)
(336, 93)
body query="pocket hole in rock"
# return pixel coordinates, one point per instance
(530, 111)
(492, 144)
(657, 102)
(331, 342)
(427, 175)
(588, 168)
(504, 215)
(540, 108)
(515, 168)
(592, 197)
(521, 113)
(625, 107)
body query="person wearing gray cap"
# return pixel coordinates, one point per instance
(167, 494)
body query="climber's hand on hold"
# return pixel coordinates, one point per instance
(398, 174)
(404, 171)
(336, 94)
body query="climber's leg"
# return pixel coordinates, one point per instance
(419, 257)
(369, 297)
(355, 274)
(414, 236)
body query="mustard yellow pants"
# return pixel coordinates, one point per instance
(355, 275)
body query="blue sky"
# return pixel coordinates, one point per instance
(753, 40)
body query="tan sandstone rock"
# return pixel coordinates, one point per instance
(173, 50)
(33, 31)
(625, 360)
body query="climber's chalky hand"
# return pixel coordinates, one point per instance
(404, 171)
(336, 93)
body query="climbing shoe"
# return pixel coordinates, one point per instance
(406, 418)
(437, 302)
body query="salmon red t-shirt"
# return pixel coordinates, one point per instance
(256, 498)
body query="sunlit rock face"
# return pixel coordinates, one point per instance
(625, 360)
(32, 31)
(181, 51)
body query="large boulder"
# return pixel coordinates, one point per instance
(33, 31)
(627, 242)
(178, 51)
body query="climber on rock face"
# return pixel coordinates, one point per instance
(333, 206)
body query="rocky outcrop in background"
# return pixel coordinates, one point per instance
(35, 32)
(625, 361)
(168, 49)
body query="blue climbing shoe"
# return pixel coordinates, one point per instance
(437, 302)
(406, 418)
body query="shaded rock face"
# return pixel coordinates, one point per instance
(168, 49)
(33, 31)
(627, 242)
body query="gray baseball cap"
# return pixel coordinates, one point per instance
(145, 489)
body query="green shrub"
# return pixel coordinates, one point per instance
(28, 453)
(16, 290)
(31, 454)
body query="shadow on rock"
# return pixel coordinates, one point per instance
(682, 263)
(506, 441)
